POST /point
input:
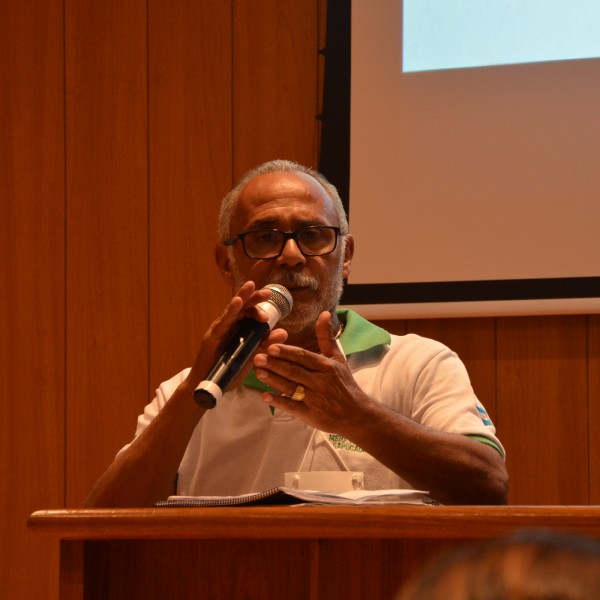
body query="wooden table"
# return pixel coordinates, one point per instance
(303, 552)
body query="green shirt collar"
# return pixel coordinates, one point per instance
(358, 335)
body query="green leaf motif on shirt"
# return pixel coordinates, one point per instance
(339, 442)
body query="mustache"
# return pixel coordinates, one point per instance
(293, 280)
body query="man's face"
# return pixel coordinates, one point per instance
(289, 201)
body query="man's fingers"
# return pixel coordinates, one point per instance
(244, 302)
(326, 337)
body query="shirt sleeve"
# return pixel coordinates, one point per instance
(163, 393)
(444, 399)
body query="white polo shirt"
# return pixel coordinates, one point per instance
(243, 445)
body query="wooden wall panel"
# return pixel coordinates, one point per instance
(397, 327)
(124, 124)
(32, 258)
(542, 408)
(190, 171)
(594, 406)
(275, 84)
(107, 232)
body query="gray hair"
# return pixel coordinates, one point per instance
(276, 166)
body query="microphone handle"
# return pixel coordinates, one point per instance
(235, 356)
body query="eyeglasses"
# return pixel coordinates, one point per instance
(315, 240)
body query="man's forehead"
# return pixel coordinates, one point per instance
(280, 190)
(282, 184)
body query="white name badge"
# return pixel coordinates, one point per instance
(335, 482)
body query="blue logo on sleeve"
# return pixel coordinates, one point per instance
(483, 414)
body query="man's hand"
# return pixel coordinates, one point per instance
(454, 468)
(243, 304)
(144, 473)
(332, 397)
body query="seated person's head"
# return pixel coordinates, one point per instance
(527, 565)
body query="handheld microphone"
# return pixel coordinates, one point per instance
(242, 345)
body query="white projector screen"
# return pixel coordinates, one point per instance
(474, 157)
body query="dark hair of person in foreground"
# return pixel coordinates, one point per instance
(525, 565)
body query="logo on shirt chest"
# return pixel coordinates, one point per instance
(339, 442)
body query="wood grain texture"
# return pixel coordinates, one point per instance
(309, 522)
(327, 551)
(275, 85)
(107, 233)
(373, 568)
(124, 125)
(397, 327)
(190, 171)
(543, 408)
(594, 406)
(168, 569)
(72, 566)
(32, 276)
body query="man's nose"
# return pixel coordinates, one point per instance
(291, 255)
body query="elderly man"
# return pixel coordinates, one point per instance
(397, 409)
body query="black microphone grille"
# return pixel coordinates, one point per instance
(281, 298)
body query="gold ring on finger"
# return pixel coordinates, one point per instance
(298, 394)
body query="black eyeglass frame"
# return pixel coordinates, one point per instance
(287, 235)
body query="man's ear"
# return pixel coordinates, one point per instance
(224, 263)
(348, 254)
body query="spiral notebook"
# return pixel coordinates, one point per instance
(282, 495)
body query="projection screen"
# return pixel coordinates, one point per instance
(474, 179)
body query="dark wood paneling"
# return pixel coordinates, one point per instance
(243, 569)
(32, 257)
(351, 552)
(107, 233)
(594, 407)
(109, 292)
(373, 568)
(190, 170)
(275, 85)
(396, 327)
(542, 408)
